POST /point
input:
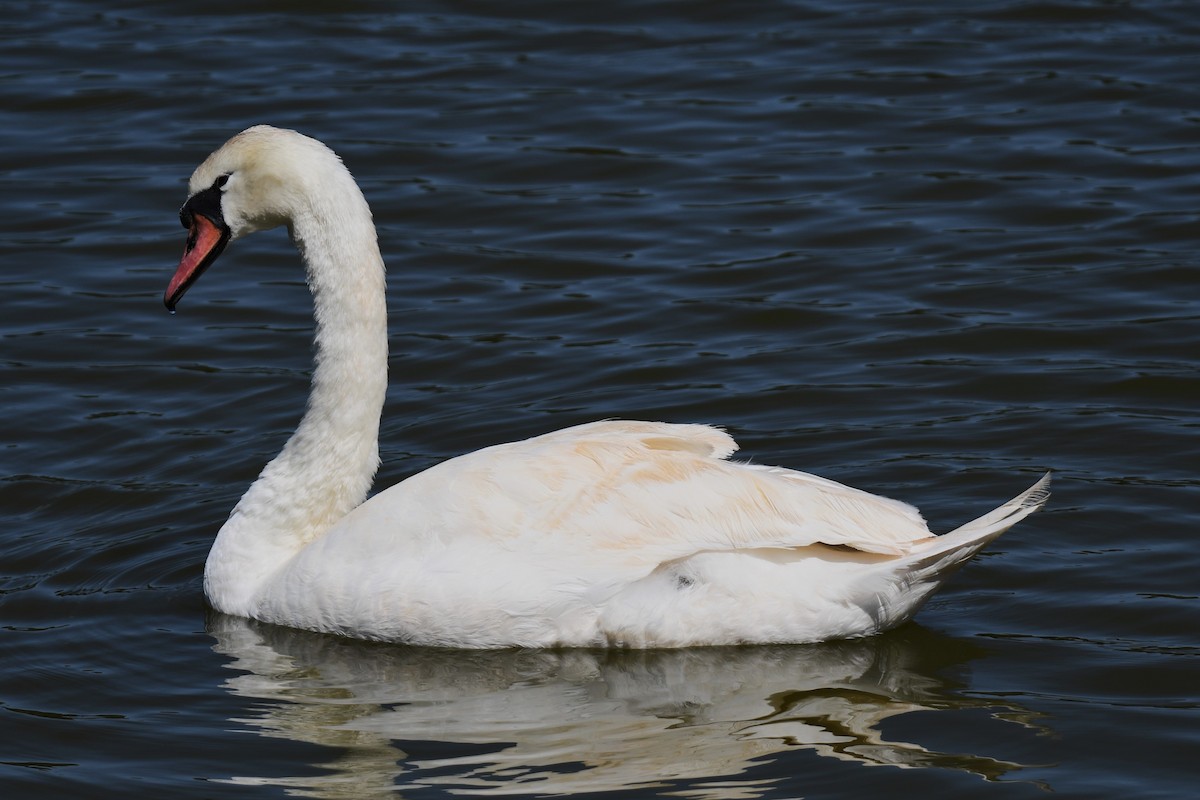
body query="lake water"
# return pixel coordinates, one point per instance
(929, 249)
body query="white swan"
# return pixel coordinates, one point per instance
(637, 534)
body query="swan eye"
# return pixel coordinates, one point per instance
(221, 181)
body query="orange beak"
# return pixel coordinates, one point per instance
(206, 239)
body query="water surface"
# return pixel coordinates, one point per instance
(925, 249)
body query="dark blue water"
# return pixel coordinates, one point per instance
(928, 249)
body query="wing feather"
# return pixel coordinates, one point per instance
(641, 493)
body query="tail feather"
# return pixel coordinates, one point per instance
(965, 541)
(896, 589)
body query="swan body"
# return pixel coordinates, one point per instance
(615, 533)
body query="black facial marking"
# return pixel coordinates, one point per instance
(206, 202)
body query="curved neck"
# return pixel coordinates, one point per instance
(327, 466)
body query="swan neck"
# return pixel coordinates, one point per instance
(327, 466)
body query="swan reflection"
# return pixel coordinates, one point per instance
(558, 722)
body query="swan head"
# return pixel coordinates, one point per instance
(259, 179)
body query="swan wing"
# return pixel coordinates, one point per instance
(632, 494)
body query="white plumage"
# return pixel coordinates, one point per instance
(639, 534)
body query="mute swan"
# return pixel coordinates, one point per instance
(633, 534)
